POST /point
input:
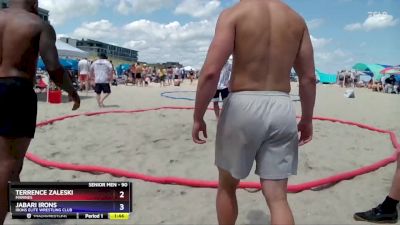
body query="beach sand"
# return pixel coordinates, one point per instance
(160, 143)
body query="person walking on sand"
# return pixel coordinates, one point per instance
(83, 73)
(102, 71)
(267, 39)
(24, 35)
(191, 76)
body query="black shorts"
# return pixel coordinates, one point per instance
(223, 93)
(105, 88)
(18, 110)
(162, 78)
(138, 76)
(176, 77)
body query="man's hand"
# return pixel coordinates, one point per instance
(77, 100)
(305, 129)
(199, 126)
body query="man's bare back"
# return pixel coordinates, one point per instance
(267, 40)
(19, 43)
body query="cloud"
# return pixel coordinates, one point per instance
(331, 61)
(315, 23)
(373, 22)
(187, 43)
(353, 27)
(198, 8)
(101, 29)
(61, 11)
(156, 42)
(139, 6)
(319, 42)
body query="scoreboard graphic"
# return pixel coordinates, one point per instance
(91, 200)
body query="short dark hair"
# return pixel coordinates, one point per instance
(103, 56)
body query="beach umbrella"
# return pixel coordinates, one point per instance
(391, 70)
(364, 73)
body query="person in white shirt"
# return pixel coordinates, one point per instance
(102, 71)
(223, 87)
(83, 73)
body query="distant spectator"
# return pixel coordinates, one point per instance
(139, 73)
(389, 84)
(170, 75)
(191, 76)
(83, 73)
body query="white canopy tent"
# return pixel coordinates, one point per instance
(66, 50)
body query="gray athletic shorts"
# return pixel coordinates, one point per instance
(261, 127)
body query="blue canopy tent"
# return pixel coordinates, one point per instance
(326, 78)
(73, 62)
(68, 64)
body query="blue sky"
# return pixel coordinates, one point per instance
(343, 31)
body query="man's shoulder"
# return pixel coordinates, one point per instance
(97, 61)
(23, 19)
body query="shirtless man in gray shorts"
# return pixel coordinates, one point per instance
(258, 123)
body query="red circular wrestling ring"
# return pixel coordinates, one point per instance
(214, 184)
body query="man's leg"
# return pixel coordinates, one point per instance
(98, 98)
(104, 98)
(12, 153)
(87, 85)
(275, 193)
(227, 207)
(387, 211)
(395, 190)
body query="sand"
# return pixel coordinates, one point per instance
(159, 143)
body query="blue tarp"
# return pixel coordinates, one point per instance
(326, 78)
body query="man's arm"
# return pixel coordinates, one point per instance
(220, 49)
(110, 72)
(305, 68)
(91, 72)
(49, 54)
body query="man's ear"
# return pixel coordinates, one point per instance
(36, 7)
